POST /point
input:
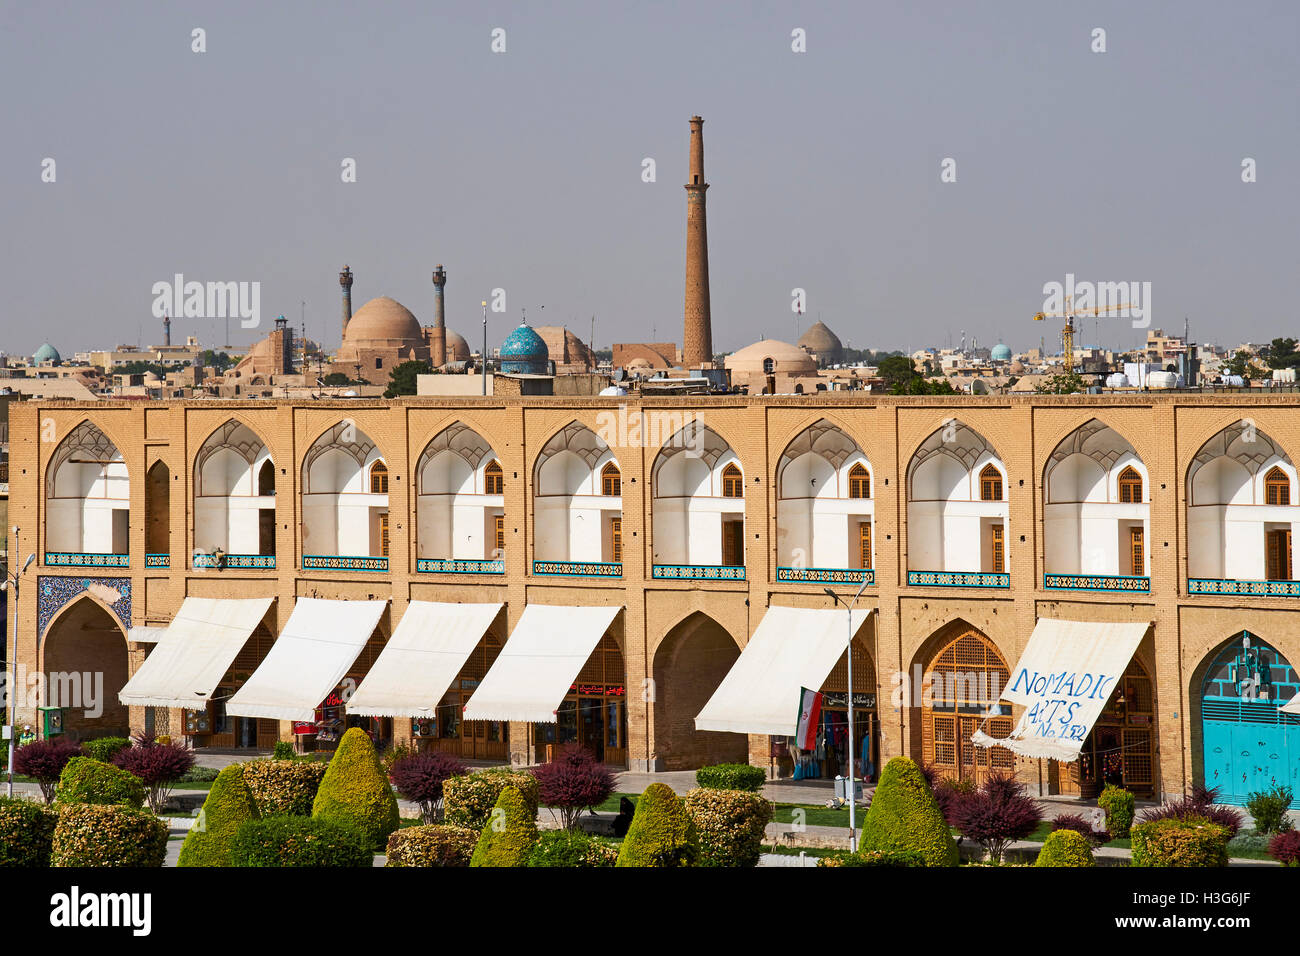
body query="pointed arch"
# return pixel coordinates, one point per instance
(459, 481)
(575, 519)
(341, 516)
(689, 662)
(956, 504)
(698, 513)
(88, 496)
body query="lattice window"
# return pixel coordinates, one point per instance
(1277, 487)
(864, 544)
(732, 482)
(611, 482)
(616, 539)
(379, 478)
(859, 484)
(494, 480)
(1130, 487)
(990, 484)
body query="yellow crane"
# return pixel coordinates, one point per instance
(1067, 333)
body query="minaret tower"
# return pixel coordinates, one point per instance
(697, 339)
(345, 281)
(167, 330)
(438, 338)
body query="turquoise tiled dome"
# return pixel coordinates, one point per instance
(47, 353)
(1001, 353)
(524, 352)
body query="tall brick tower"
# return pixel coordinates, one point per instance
(345, 280)
(697, 339)
(167, 330)
(438, 338)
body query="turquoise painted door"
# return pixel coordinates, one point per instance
(1249, 743)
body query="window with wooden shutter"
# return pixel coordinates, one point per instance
(859, 482)
(999, 550)
(732, 482)
(499, 526)
(611, 482)
(990, 484)
(864, 544)
(494, 481)
(616, 539)
(1137, 551)
(379, 478)
(1277, 487)
(1130, 487)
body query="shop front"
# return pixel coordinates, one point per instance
(593, 714)
(448, 731)
(1120, 750)
(213, 727)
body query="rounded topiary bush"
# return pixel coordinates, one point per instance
(85, 780)
(1180, 842)
(730, 825)
(298, 841)
(1066, 848)
(1119, 806)
(904, 817)
(433, 844)
(468, 799)
(571, 848)
(98, 835)
(26, 832)
(104, 749)
(662, 832)
(227, 807)
(509, 834)
(284, 787)
(731, 776)
(355, 791)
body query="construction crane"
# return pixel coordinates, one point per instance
(1067, 333)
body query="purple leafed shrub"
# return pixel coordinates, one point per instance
(1200, 804)
(946, 791)
(419, 778)
(1080, 824)
(157, 765)
(43, 761)
(996, 814)
(1285, 847)
(573, 782)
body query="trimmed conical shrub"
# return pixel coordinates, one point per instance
(509, 834)
(228, 805)
(1065, 848)
(87, 781)
(661, 833)
(904, 816)
(355, 791)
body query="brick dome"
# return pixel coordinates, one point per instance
(383, 321)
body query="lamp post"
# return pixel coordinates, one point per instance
(484, 362)
(848, 651)
(11, 680)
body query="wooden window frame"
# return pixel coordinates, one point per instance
(733, 482)
(379, 476)
(990, 483)
(1130, 487)
(611, 481)
(494, 479)
(1277, 487)
(859, 482)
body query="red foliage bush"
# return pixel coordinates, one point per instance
(1285, 847)
(1201, 804)
(43, 761)
(157, 765)
(573, 782)
(996, 814)
(1080, 824)
(946, 791)
(419, 778)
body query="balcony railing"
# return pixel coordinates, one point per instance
(460, 566)
(827, 575)
(341, 562)
(1097, 582)
(1229, 586)
(261, 562)
(959, 579)
(82, 559)
(157, 560)
(698, 572)
(586, 569)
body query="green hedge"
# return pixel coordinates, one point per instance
(433, 844)
(355, 791)
(730, 825)
(1119, 806)
(661, 833)
(86, 780)
(284, 787)
(1065, 848)
(228, 806)
(99, 835)
(872, 858)
(904, 817)
(571, 848)
(26, 832)
(104, 749)
(468, 799)
(731, 776)
(298, 841)
(1173, 842)
(509, 834)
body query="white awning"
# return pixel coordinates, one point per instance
(1063, 679)
(792, 648)
(194, 653)
(1292, 706)
(538, 665)
(145, 634)
(320, 642)
(422, 658)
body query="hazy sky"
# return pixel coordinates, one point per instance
(522, 170)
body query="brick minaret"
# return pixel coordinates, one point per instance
(438, 337)
(697, 340)
(345, 280)
(167, 330)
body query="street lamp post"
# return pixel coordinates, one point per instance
(11, 681)
(484, 363)
(848, 651)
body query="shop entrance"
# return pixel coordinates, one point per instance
(835, 718)
(1120, 750)
(966, 678)
(213, 727)
(593, 715)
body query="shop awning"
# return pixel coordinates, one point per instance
(1063, 679)
(320, 642)
(422, 658)
(792, 648)
(194, 652)
(540, 662)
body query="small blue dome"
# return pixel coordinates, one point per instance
(524, 352)
(47, 353)
(1001, 353)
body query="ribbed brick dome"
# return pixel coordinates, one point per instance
(383, 320)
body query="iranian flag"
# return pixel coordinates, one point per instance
(810, 712)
